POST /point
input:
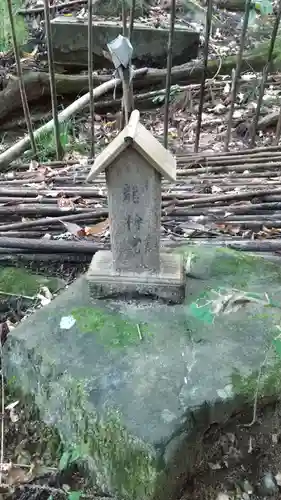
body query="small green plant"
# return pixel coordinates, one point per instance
(5, 26)
(73, 455)
(46, 146)
(160, 99)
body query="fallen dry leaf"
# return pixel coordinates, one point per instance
(65, 204)
(10, 325)
(52, 194)
(11, 409)
(47, 236)
(36, 469)
(44, 290)
(43, 300)
(45, 296)
(16, 475)
(73, 228)
(33, 165)
(278, 478)
(97, 229)
(45, 170)
(215, 466)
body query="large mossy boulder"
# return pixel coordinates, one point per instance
(132, 386)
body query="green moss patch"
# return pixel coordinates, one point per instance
(242, 266)
(224, 266)
(268, 383)
(5, 26)
(21, 282)
(115, 459)
(112, 330)
(130, 465)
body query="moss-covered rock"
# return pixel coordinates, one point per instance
(111, 329)
(19, 281)
(128, 404)
(115, 459)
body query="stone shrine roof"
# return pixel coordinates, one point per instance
(137, 136)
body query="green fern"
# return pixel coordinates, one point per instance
(5, 27)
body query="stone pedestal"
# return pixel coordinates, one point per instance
(168, 284)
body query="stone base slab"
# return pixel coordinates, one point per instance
(168, 285)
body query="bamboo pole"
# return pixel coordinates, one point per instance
(237, 72)
(59, 149)
(169, 69)
(124, 17)
(204, 74)
(131, 19)
(90, 76)
(265, 75)
(21, 81)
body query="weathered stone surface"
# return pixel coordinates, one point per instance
(168, 284)
(70, 42)
(136, 383)
(134, 205)
(134, 162)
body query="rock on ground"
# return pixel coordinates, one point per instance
(133, 385)
(70, 42)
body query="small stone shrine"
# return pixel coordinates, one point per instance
(134, 163)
